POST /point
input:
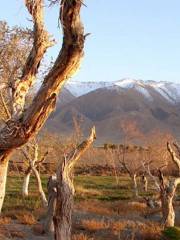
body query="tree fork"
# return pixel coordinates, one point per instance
(26, 124)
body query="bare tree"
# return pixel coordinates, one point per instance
(131, 163)
(166, 189)
(26, 123)
(33, 162)
(61, 191)
(15, 45)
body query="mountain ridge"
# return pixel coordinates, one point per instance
(169, 90)
(108, 106)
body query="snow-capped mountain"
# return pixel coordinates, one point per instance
(168, 90)
(82, 88)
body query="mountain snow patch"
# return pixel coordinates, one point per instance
(168, 90)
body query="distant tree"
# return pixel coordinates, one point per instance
(167, 189)
(33, 160)
(131, 162)
(158, 154)
(15, 45)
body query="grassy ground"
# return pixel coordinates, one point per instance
(103, 188)
(103, 210)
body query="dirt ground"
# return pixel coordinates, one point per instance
(95, 221)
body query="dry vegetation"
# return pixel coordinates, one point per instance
(105, 207)
(93, 218)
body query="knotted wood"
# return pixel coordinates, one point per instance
(65, 189)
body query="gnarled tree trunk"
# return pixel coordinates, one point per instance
(167, 193)
(167, 210)
(65, 190)
(26, 123)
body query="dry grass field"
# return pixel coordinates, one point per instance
(103, 210)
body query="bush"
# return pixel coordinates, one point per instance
(172, 233)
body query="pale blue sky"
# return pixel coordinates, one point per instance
(129, 38)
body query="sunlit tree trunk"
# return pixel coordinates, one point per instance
(167, 211)
(3, 177)
(65, 190)
(167, 194)
(40, 188)
(25, 187)
(135, 187)
(145, 183)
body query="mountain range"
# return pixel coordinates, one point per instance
(151, 105)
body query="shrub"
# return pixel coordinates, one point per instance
(172, 233)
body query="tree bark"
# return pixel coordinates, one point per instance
(145, 183)
(65, 190)
(41, 43)
(52, 195)
(175, 159)
(167, 193)
(3, 178)
(135, 187)
(167, 210)
(25, 187)
(40, 188)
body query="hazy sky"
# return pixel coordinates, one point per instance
(129, 38)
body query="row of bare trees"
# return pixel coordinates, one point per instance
(150, 163)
